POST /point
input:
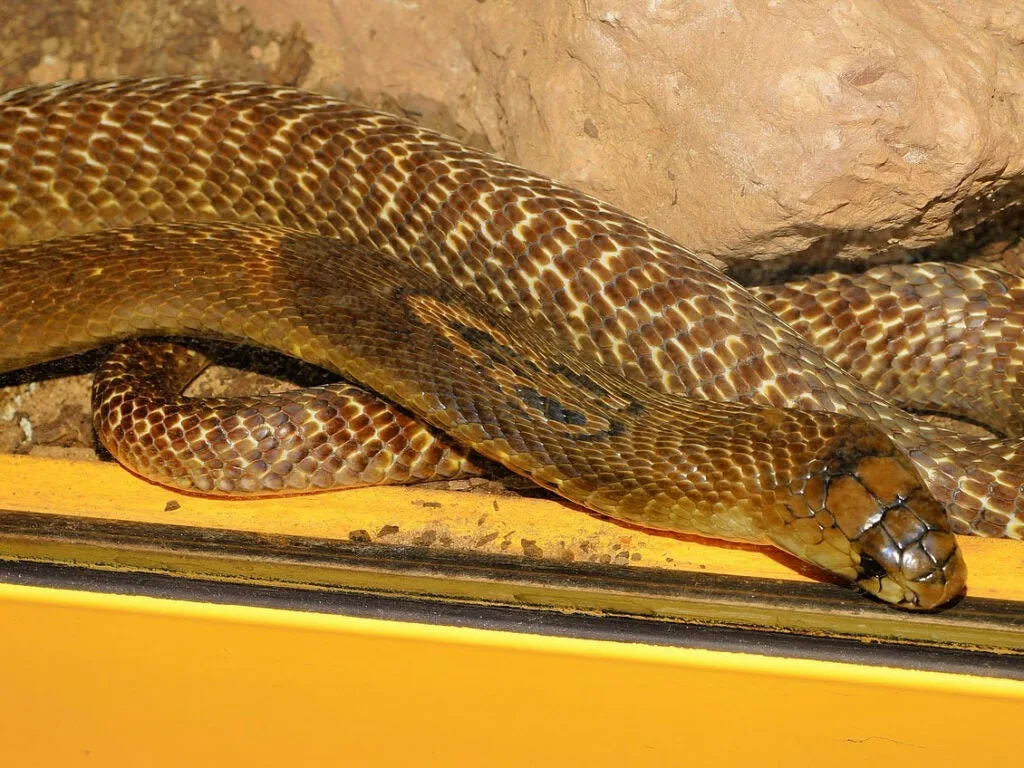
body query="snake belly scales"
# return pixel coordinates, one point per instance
(507, 316)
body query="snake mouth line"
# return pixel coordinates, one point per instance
(867, 514)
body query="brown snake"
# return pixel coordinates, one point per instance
(535, 325)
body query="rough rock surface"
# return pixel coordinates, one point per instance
(748, 130)
(745, 129)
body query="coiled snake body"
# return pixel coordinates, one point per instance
(508, 314)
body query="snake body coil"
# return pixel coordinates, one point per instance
(540, 327)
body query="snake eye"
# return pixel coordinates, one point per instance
(871, 568)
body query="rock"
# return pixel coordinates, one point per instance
(749, 131)
(761, 133)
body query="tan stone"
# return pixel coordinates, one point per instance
(746, 129)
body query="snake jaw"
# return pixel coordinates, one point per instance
(865, 515)
(909, 556)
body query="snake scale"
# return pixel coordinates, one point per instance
(506, 316)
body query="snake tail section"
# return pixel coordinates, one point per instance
(333, 436)
(931, 336)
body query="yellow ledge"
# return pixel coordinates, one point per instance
(466, 521)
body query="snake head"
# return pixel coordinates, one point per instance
(865, 514)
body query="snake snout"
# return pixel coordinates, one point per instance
(867, 516)
(908, 555)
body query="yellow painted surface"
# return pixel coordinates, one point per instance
(479, 522)
(125, 681)
(92, 679)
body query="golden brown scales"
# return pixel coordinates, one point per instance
(618, 297)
